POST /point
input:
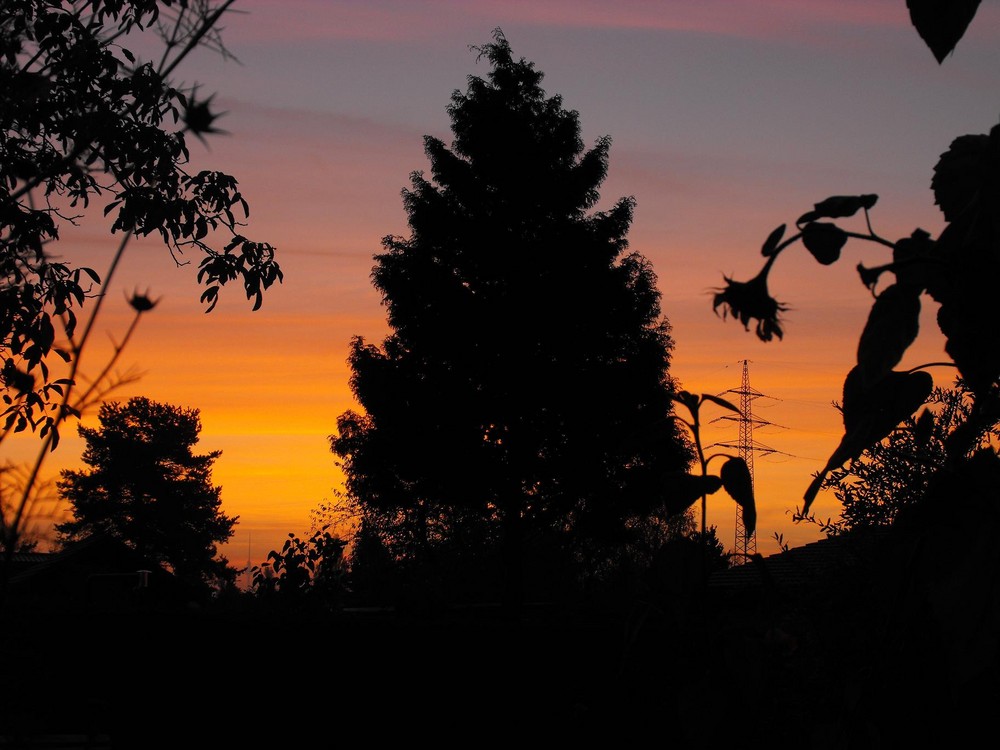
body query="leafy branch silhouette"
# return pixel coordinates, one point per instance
(734, 476)
(957, 270)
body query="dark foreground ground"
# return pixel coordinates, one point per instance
(467, 678)
(838, 665)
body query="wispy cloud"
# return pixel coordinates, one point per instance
(403, 19)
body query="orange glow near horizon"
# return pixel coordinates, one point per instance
(722, 129)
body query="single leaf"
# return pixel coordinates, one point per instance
(824, 241)
(736, 480)
(771, 243)
(749, 513)
(871, 411)
(682, 489)
(838, 207)
(923, 429)
(721, 402)
(892, 326)
(941, 23)
(688, 399)
(873, 405)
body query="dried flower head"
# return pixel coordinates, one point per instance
(199, 117)
(141, 302)
(750, 300)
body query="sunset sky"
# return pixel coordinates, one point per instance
(726, 118)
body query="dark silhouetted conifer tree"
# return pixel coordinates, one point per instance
(146, 487)
(526, 376)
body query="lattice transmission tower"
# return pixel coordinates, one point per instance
(746, 543)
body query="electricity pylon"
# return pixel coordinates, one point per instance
(746, 543)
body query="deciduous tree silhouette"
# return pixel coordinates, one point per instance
(525, 381)
(146, 487)
(83, 118)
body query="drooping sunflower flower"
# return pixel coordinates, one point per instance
(750, 300)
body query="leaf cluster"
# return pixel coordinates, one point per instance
(957, 270)
(314, 567)
(83, 119)
(892, 475)
(685, 488)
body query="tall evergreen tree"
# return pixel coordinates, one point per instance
(146, 487)
(525, 380)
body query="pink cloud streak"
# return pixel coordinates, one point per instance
(393, 20)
